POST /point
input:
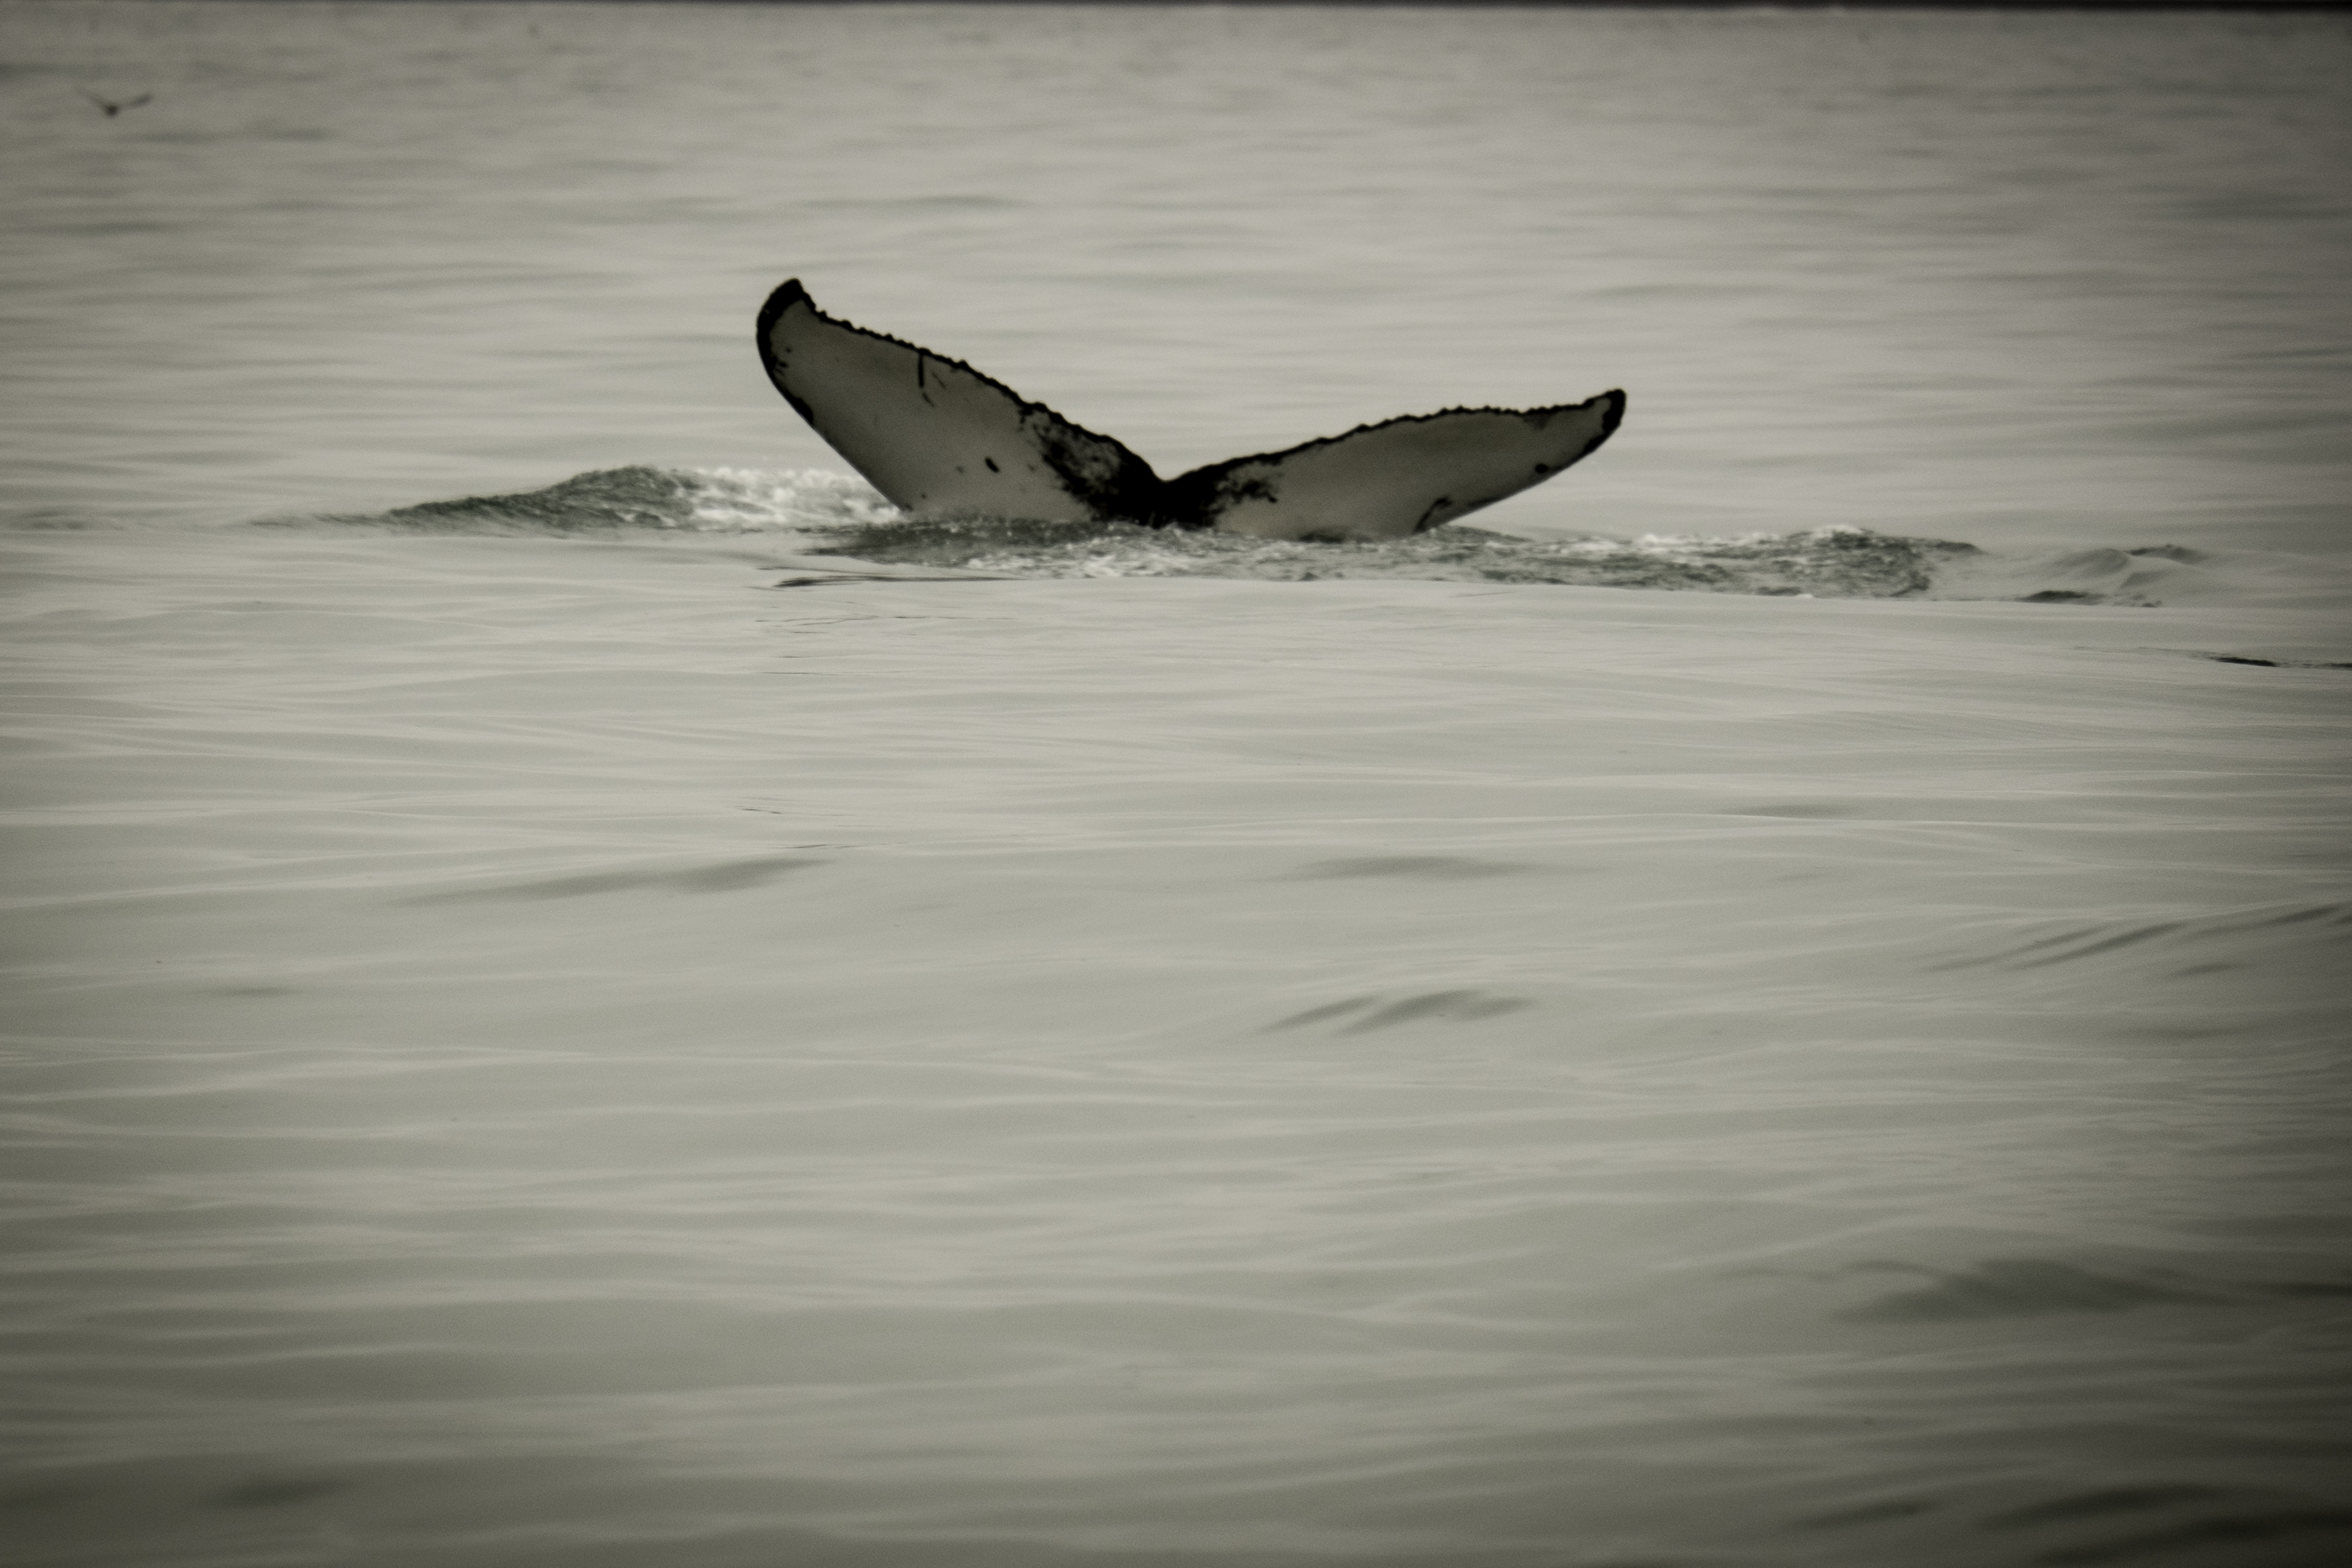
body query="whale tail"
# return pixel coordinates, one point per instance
(937, 437)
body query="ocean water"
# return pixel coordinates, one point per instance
(581, 991)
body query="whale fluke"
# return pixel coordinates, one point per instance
(938, 437)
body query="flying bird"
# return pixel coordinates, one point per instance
(113, 108)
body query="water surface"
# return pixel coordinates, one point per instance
(582, 993)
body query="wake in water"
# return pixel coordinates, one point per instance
(814, 511)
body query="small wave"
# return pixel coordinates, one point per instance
(725, 877)
(2116, 1524)
(53, 519)
(2033, 1287)
(2021, 1286)
(2094, 939)
(1453, 1006)
(679, 501)
(2231, 1531)
(842, 516)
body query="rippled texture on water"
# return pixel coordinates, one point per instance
(582, 993)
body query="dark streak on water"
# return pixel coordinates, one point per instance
(727, 878)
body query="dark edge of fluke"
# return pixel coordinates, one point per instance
(786, 295)
(790, 293)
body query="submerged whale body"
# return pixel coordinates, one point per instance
(938, 437)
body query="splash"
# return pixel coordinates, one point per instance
(684, 501)
(1826, 563)
(813, 511)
